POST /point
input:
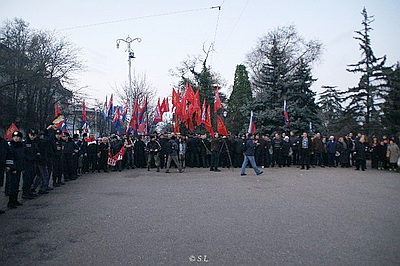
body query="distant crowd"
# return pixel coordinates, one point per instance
(49, 158)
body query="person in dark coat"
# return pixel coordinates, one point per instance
(115, 146)
(305, 146)
(360, 153)
(172, 148)
(58, 146)
(104, 147)
(69, 166)
(5, 161)
(139, 152)
(375, 147)
(45, 150)
(277, 150)
(91, 151)
(205, 152)
(16, 164)
(215, 148)
(286, 158)
(31, 151)
(153, 149)
(331, 149)
(249, 156)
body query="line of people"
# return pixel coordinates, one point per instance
(51, 155)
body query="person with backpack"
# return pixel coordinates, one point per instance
(172, 149)
(249, 156)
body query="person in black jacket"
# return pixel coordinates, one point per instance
(16, 165)
(305, 147)
(58, 146)
(360, 152)
(103, 149)
(68, 163)
(5, 161)
(249, 156)
(31, 151)
(172, 148)
(286, 158)
(153, 148)
(43, 174)
(277, 150)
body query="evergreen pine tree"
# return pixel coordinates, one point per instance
(281, 70)
(330, 103)
(391, 108)
(240, 96)
(366, 98)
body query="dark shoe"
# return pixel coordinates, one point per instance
(211, 169)
(61, 183)
(18, 203)
(56, 185)
(49, 188)
(148, 168)
(243, 174)
(11, 205)
(33, 194)
(260, 173)
(1, 212)
(302, 168)
(158, 169)
(43, 192)
(167, 171)
(217, 170)
(27, 196)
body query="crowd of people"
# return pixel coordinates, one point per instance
(47, 159)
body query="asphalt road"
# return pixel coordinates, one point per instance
(283, 217)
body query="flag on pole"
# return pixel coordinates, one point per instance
(59, 121)
(57, 110)
(84, 125)
(217, 101)
(104, 111)
(221, 127)
(142, 111)
(252, 125)
(116, 121)
(285, 113)
(175, 98)
(158, 113)
(134, 119)
(125, 111)
(208, 125)
(176, 125)
(11, 129)
(110, 106)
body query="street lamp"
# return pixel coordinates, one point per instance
(131, 55)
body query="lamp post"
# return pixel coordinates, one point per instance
(131, 55)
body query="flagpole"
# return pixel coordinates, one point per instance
(131, 55)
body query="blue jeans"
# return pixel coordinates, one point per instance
(252, 162)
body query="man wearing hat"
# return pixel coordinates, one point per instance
(58, 146)
(31, 156)
(5, 161)
(16, 165)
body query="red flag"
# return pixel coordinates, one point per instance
(217, 101)
(110, 106)
(57, 110)
(142, 111)
(176, 126)
(134, 119)
(175, 98)
(83, 111)
(221, 127)
(158, 113)
(12, 128)
(190, 94)
(208, 125)
(166, 104)
(112, 160)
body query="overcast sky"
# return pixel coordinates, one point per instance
(173, 30)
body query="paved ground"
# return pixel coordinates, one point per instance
(284, 217)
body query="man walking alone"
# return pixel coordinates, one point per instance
(248, 153)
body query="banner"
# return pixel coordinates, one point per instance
(10, 131)
(112, 160)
